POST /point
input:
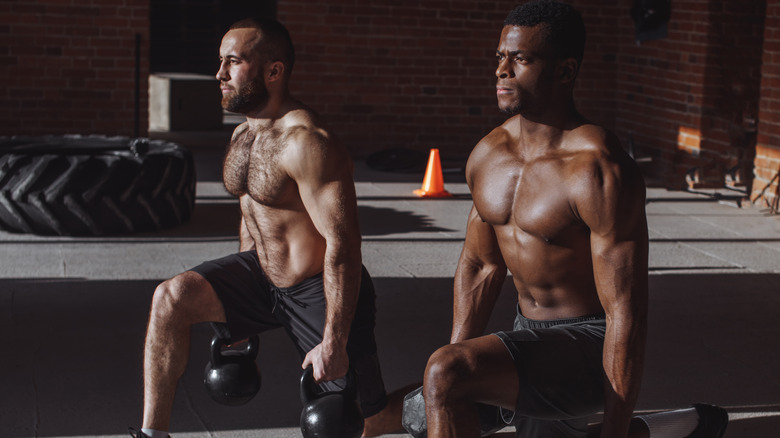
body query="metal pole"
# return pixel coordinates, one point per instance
(137, 130)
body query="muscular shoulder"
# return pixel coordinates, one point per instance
(484, 153)
(594, 153)
(304, 128)
(603, 181)
(310, 145)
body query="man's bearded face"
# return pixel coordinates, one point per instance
(247, 98)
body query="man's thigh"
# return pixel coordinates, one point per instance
(243, 291)
(302, 311)
(559, 372)
(495, 381)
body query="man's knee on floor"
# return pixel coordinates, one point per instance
(447, 374)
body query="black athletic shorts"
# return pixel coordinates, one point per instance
(253, 305)
(559, 364)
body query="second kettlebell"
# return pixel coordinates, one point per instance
(232, 377)
(332, 414)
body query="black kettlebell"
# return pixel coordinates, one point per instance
(232, 377)
(331, 414)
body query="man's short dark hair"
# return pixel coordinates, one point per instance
(565, 29)
(276, 43)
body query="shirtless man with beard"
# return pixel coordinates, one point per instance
(299, 260)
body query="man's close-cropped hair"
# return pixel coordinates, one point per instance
(565, 29)
(276, 41)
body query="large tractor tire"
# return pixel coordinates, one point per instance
(93, 185)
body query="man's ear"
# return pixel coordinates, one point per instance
(275, 71)
(567, 70)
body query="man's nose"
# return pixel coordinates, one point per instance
(502, 71)
(222, 72)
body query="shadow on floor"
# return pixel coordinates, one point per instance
(219, 221)
(72, 352)
(380, 221)
(222, 219)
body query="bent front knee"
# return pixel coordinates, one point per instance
(447, 374)
(186, 298)
(167, 299)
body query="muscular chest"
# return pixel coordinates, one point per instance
(526, 197)
(252, 166)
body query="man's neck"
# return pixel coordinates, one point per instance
(557, 113)
(545, 131)
(274, 109)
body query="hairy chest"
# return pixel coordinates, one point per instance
(253, 166)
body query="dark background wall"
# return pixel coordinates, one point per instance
(70, 67)
(399, 74)
(701, 103)
(186, 33)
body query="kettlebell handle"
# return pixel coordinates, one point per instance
(251, 347)
(218, 342)
(216, 351)
(307, 385)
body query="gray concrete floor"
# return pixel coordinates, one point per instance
(73, 311)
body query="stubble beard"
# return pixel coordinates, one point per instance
(512, 107)
(254, 95)
(512, 110)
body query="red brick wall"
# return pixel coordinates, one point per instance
(403, 74)
(766, 185)
(421, 75)
(595, 91)
(69, 66)
(700, 84)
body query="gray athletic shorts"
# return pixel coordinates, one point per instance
(253, 305)
(559, 364)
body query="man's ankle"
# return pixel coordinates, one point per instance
(152, 433)
(148, 433)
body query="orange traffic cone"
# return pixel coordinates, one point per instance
(433, 183)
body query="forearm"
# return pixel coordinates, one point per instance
(624, 347)
(341, 278)
(476, 289)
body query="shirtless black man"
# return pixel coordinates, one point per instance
(559, 205)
